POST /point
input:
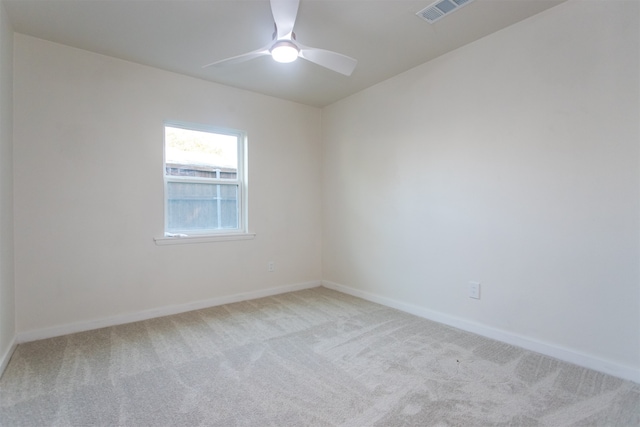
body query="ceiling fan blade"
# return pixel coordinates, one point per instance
(284, 14)
(337, 62)
(241, 58)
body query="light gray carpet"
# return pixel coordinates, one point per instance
(310, 358)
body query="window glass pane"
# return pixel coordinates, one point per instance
(200, 154)
(201, 207)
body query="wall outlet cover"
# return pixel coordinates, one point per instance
(474, 290)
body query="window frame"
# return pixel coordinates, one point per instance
(197, 236)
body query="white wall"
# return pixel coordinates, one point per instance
(513, 161)
(7, 307)
(89, 189)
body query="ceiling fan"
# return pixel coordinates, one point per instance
(285, 48)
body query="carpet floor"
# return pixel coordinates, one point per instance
(310, 358)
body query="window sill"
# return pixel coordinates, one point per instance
(180, 240)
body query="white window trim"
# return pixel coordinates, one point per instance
(242, 232)
(181, 239)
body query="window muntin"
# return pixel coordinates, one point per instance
(204, 185)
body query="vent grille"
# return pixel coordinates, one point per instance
(440, 8)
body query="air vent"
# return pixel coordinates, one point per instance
(439, 9)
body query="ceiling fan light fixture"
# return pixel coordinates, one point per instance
(284, 51)
(285, 48)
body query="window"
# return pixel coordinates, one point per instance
(204, 183)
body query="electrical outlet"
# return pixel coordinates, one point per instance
(271, 266)
(474, 290)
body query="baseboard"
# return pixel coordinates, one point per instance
(7, 356)
(71, 328)
(561, 353)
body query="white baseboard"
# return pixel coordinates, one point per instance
(4, 361)
(558, 352)
(71, 328)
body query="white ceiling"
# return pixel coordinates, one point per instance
(385, 36)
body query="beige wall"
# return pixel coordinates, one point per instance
(89, 189)
(513, 161)
(7, 307)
